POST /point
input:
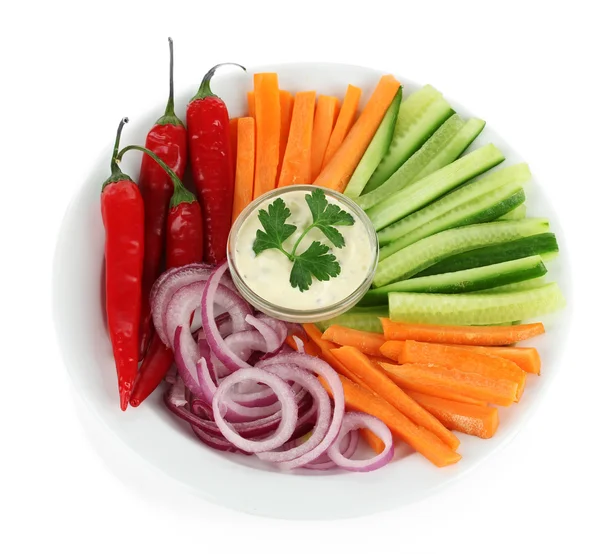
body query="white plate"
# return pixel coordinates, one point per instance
(163, 441)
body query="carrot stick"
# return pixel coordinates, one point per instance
(527, 358)
(392, 349)
(464, 360)
(482, 336)
(315, 335)
(372, 440)
(380, 384)
(326, 115)
(479, 421)
(233, 140)
(367, 343)
(244, 173)
(344, 122)
(296, 161)
(336, 174)
(251, 104)
(286, 104)
(417, 376)
(423, 441)
(268, 126)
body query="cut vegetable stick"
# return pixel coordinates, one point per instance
(244, 172)
(376, 444)
(286, 104)
(392, 349)
(344, 122)
(367, 343)
(268, 126)
(315, 335)
(296, 161)
(326, 114)
(479, 421)
(469, 361)
(527, 358)
(416, 376)
(378, 382)
(471, 335)
(233, 140)
(423, 441)
(251, 104)
(336, 174)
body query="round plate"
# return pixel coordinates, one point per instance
(238, 481)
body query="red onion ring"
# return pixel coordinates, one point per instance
(348, 447)
(289, 410)
(322, 369)
(320, 400)
(270, 336)
(357, 420)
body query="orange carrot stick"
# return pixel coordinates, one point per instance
(368, 343)
(383, 386)
(244, 172)
(423, 441)
(527, 358)
(464, 360)
(336, 174)
(479, 421)
(326, 114)
(268, 126)
(296, 161)
(251, 104)
(344, 122)
(482, 336)
(286, 103)
(418, 376)
(233, 140)
(376, 444)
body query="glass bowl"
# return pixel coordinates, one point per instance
(296, 315)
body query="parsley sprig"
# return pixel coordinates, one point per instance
(316, 261)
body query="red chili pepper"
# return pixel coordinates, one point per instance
(184, 246)
(168, 140)
(123, 218)
(210, 156)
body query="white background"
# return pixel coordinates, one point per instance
(70, 71)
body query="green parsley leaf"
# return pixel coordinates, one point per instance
(315, 261)
(276, 230)
(326, 215)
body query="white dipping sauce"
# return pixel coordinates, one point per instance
(268, 274)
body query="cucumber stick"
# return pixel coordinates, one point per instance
(475, 309)
(463, 201)
(424, 253)
(520, 212)
(363, 319)
(419, 116)
(420, 193)
(467, 280)
(521, 285)
(444, 146)
(542, 244)
(376, 150)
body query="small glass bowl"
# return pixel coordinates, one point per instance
(294, 315)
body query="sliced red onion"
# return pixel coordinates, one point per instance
(299, 344)
(218, 443)
(270, 336)
(278, 326)
(321, 401)
(171, 375)
(348, 448)
(357, 420)
(164, 289)
(295, 329)
(285, 395)
(242, 344)
(322, 369)
(235, 305)
(186, 356)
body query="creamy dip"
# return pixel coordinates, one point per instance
(268, 274)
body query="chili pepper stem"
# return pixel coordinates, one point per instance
(180, 193)
(169, 117)
(204, 91)
(116, 173)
